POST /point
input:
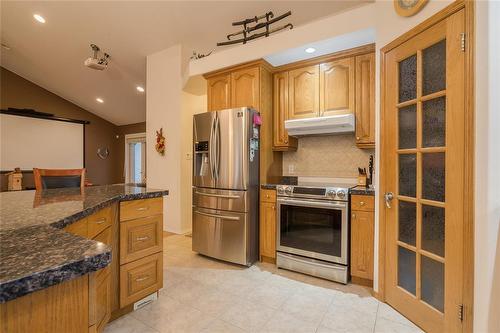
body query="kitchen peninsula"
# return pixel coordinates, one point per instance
(70, 259)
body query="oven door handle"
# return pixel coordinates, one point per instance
(308, 203)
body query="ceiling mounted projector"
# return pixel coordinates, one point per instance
(97, 62)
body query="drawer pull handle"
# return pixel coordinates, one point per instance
(361, 203)
(140, 239)
(141, 209)
(142, 279)
(100, 221)
(353, 216)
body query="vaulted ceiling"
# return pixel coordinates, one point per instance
(51, 54)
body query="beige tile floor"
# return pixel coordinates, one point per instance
(205, 295)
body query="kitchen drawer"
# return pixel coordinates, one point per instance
(140, 238)
(268, 196)
(363, 202)
(140, 278)
(135, 209)
(99, 221)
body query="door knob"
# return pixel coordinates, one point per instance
(388, 198)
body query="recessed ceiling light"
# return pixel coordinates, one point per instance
(140, 89)
(39, 18)
(310, 50)
(99, 99)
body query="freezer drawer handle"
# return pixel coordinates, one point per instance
(218, 195)
(224, 217)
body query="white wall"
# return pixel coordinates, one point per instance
(163, 105)
(191, 104)
(487, 166)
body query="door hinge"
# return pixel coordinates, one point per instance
(462, 43)
(461, 312)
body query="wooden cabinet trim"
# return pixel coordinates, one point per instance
(369, 48)
(226, 70)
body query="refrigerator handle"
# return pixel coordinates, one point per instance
(211, 148)
(217, 147)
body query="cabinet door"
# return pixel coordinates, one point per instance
(362, 233)
(268, 229)
(365, 100)
(336, 82)
(303, 92)
(100, 299)
(219, 92)
(245, 88)
(281, 140)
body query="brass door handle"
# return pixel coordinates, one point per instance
(388, 198)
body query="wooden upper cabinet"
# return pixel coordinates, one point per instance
(219, 92)
(336, 86)
(365, 100)
(245, 88)
(281, 140)
(303, 92)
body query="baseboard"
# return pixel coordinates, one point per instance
(362, 281)
(268, 259)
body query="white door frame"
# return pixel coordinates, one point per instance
(128, 139)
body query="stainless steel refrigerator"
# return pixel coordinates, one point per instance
(226, 185)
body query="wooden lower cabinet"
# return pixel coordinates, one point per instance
(267, 229)
(63, 307)
(362, 238)
(99, 299)
(140, 278)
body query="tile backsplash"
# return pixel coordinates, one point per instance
(326, 156)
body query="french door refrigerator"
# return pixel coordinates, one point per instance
(226, 184)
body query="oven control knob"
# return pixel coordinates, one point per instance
(288, 190)
(281, 190)
(330, 193)
(341, 194)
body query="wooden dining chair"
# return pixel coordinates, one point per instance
(58, 178)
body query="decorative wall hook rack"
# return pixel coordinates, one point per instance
(262, 22)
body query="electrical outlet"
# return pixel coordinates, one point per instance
(291, 169)
(189, 156)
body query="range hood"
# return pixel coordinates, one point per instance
(321, 125)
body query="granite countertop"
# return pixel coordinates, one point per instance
(35, 253)
(362, 190)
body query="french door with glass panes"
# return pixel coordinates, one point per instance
(424, 158)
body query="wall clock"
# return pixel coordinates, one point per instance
(408, 7)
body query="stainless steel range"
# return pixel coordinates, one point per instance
(312, 235)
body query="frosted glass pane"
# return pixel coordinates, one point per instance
(433, 282)
(407, 174)
(434, 123)
(433, 176)
(406, 269)
(408, 127)
(408, 79)
(433, 229)
(407, 222)
(434, 68)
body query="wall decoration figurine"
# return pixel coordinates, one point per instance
(160, 142)
(408, 7)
